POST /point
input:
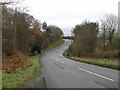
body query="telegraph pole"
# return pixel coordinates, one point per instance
(119, 15)
(0, 45)
(119, 26)
(0, 32)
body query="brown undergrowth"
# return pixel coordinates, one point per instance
(11, 64)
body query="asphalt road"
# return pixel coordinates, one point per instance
(60, 72)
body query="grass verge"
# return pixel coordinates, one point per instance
(15, 80)
(55, 44)
(113, 64)
(21, 77)
(66, 52)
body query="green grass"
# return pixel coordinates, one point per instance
(0, 82)
(55, 44)
(15, 80)
(66, 52)
(113, 64)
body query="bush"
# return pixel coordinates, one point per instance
(66, 52)
(35, 48)
(74, 49)
(107, 54)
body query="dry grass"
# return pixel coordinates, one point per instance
(10, 65)
(22, 76)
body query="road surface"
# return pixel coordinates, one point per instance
(60, 72)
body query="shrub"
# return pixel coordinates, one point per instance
(107, 54)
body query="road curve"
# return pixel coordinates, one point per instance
(60, 72)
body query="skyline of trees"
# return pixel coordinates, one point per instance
(97, 39)
(21, 32)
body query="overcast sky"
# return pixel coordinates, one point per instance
(67, 13)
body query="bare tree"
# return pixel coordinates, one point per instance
(109, 28)
(104, 34)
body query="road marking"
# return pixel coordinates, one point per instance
(96, 74)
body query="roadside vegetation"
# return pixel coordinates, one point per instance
(96, 43)
(108, 63)
(22, 76)
(113, 64)
(18, 72)
(24, 37)
(22, 40)
(55, 44)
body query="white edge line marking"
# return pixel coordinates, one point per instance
(96, 74)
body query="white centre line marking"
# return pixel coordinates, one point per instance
(96, 74)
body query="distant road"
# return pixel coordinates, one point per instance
(60, 72)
